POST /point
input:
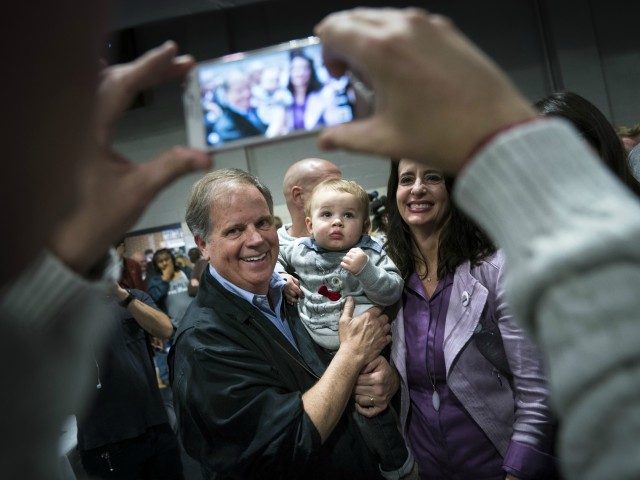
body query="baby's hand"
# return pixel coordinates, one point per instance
(354, 261)
(292, 289)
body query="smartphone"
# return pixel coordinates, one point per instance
(267, 94)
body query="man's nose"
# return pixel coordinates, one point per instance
(254, 236)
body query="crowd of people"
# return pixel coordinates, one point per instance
(502, 308)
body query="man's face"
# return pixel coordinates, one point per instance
(239, 93)
(243, 243)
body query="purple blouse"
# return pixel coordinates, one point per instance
(446, 443)
(298, 115)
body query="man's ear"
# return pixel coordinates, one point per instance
(296, 195)
(202, 246)
(309, 225)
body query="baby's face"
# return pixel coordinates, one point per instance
(336, 221)
(269, 81)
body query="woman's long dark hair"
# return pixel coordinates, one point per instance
(314, 85)
(595, 128)
(461, 239)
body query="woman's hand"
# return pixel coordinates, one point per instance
(168, 271)
(377, 383)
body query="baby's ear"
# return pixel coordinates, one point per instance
(309, 224)
(366, 226)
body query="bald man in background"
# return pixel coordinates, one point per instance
(299, 180)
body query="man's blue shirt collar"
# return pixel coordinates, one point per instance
(276, 285)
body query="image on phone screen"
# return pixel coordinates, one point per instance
(266, 94)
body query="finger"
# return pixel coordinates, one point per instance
(369, 412)
(121, 83)
(370, 367)
(159, 65)
(347, 310)
(355, 136)
(362, 399)
(158, 173)
(375, 312)
(363, 391)
(293, 294)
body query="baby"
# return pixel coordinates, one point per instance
(340, 260)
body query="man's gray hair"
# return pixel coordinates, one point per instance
(205, 191)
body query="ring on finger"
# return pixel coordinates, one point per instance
(373, 403)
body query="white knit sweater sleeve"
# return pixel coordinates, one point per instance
(571, 234)
(52, 322)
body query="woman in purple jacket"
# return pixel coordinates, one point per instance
(474, 394)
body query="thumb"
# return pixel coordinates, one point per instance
(170, 165)
(347, 310)
(361, 136)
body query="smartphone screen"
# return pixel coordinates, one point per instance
(254, 97)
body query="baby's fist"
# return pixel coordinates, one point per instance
(354, 261)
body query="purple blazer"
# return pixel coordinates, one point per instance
(507, 413)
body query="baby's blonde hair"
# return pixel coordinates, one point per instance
(344, 186)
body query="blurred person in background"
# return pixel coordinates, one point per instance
(142, 261)
(594, 128)
(630, 136)
(299, 181)
(131, 271)
(125, 432)
(168, 287)
(199, 264)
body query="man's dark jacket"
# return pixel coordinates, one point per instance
(232, 125)
(238, 384)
